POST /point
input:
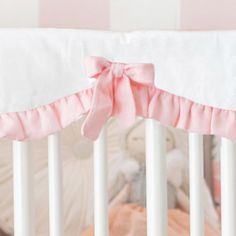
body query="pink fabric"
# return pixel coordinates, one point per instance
(78, 14)
(42, 121)
(131, 220)
(122, 90)
(113, 94)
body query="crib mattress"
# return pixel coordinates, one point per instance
(39, 67)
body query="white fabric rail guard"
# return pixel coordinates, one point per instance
(31, 108)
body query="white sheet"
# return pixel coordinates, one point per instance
(39, 66)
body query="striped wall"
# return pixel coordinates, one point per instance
(19, 13)
(144, 14)
(119, 14)
(208, 14)
(92, 14)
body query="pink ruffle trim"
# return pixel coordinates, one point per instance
(42, 121)
(150, 102)
(179, 112)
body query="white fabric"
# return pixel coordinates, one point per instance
(39, 66)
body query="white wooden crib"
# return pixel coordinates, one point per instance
(156, 180)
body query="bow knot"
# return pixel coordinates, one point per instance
(113, 93)
(117, 69)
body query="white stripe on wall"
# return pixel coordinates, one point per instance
(23, 13)
(144, 15)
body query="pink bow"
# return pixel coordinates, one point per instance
(113, 93)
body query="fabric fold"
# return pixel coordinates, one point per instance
(42, 121)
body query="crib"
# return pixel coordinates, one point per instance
(155, 128)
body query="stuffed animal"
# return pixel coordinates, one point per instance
(177, 171)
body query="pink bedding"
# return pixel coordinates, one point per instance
(130, 220)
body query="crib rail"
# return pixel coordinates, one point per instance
(23, 189)
(155, 179)
(55, 186)
(196, 178)
(228, 187)
(100, 185)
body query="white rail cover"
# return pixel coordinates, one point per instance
(156, 180)
(196, 176)
(228, 187)
(55, 186)
(100, 185)
(23, 190)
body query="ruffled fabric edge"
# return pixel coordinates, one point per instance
(45, 120)
(179, 112)
(168, 109)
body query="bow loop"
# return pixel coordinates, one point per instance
(141, 73)
(113, 93)
(95, 66)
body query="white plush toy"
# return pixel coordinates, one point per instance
(177, 171)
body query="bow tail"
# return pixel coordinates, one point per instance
(125, 105)
(101, 109)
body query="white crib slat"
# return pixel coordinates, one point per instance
(23, 189)
(156, 182)
(228, 187)
(196, 176)
(55, 186)
(100, 186)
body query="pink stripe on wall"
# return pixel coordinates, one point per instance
(89, 14)
(208, 15)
